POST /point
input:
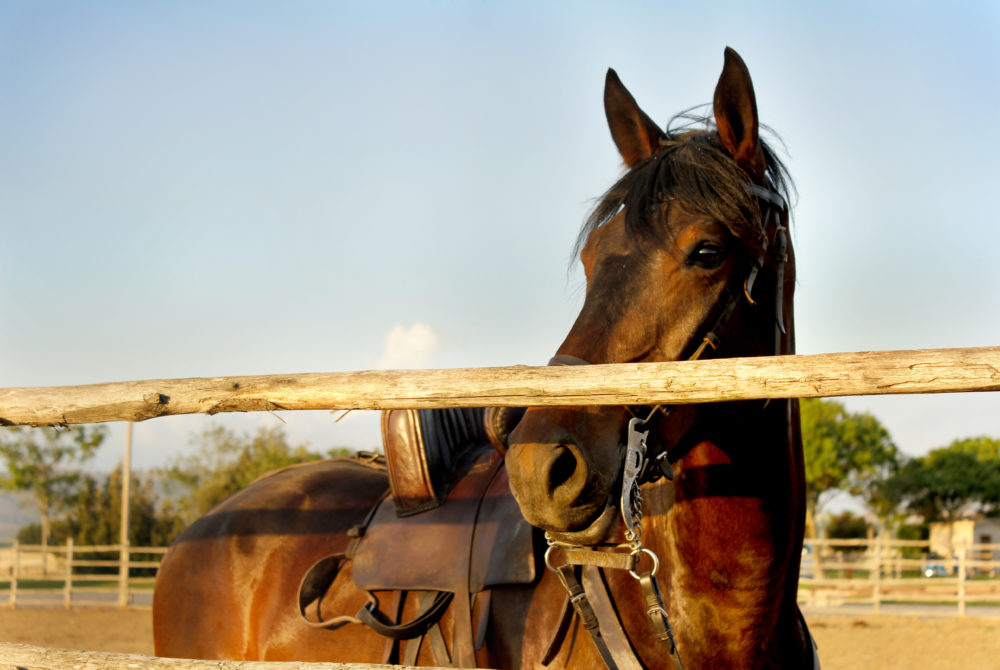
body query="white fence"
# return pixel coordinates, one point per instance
(78, 576)
(836, 576)
(850, 575)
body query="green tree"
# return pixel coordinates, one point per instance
(94, 517)
(93, 514)
(885, 495)
(43, 464)
(847, 526)
(951, 481)
(983, 448)
(225, 462)
(844, 451)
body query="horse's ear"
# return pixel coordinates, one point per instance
(635, 134)
(736, 115)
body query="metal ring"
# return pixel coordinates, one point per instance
(642, 550)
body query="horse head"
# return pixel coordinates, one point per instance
(685, 257)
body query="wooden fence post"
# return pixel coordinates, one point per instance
(123, 575)
(126, 554)
(876, 574)
(962, 571)
(15, 572)
(68, 586)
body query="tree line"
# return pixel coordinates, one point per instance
(46, 466)
(845, 452)
(853, 453)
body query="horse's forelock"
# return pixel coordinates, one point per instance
(694, 168)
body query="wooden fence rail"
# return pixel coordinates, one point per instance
(822, 375)
(26, 657)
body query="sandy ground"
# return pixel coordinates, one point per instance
(867, 643)
(902, 643)
(127, 631)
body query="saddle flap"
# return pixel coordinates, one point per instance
(475, 540)
(503, 546)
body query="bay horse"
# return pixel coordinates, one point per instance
(695, 512)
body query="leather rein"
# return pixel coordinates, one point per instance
(580, 570)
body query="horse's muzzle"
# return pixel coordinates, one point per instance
(559, 485)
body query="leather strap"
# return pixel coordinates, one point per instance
(412, 651)
(809, 640)
(438, 648)
(371, 617)
(615, 560)
(559, 636)
(314, 586)
(658, 617)
(584, 610)
(611, 625)
(481, 613)
(390, 654)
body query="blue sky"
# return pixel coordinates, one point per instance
(196, 189)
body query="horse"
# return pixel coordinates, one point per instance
(674, 534)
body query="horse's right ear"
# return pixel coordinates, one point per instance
(735, 107)
(635, 134)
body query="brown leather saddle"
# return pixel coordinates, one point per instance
(447, 533)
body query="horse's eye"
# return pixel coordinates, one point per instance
(708, 255)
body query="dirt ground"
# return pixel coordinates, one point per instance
(126, 631)
(872, 643)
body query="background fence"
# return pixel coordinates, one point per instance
(78, 576)
(875, 574)
(837, 576)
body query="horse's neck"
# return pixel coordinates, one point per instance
(727, 532)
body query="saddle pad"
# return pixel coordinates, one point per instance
(434, 550)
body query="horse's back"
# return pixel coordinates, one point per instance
(232, 562)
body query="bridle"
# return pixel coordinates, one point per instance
(588, 593)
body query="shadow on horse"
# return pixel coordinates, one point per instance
(659, 536)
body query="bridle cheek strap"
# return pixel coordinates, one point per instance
(775, 243)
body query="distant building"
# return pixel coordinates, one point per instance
(945, 540)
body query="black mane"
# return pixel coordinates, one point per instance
(692, 166)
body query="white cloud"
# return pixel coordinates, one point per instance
(411, 347)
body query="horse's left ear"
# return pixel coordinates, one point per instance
(736, 115)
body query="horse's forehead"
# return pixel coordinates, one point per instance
(681, 226)
(610, 237)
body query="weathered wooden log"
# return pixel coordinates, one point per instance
(821, 375)
(26, 657)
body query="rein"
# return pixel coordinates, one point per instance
(588, 594)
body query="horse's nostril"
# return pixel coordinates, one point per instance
(562, 468)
